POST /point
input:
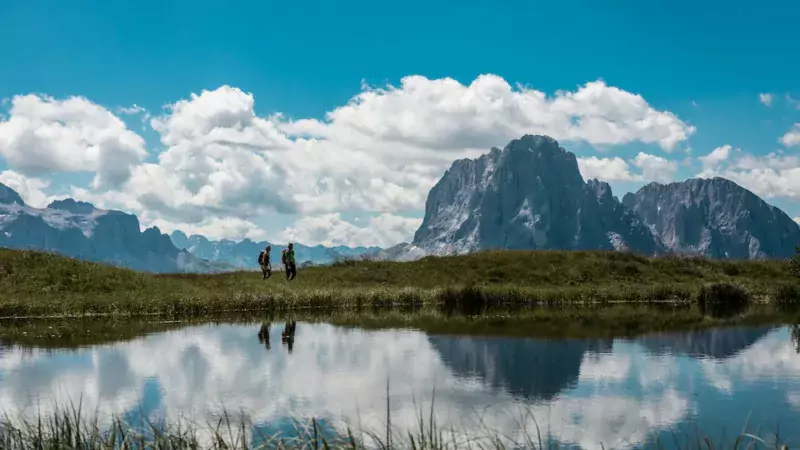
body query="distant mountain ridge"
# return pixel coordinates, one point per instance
(531, 195)
(79, 230)
(243, 254)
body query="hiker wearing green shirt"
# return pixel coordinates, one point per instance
(287, 258)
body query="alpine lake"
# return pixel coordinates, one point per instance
(665, 389)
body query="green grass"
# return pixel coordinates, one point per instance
(71, 428)
(42, 284)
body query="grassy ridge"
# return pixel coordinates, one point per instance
(35, 283)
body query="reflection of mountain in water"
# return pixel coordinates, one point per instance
(525, 367)
(719, 343)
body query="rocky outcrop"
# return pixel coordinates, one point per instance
(79, 230)
(529, 195)
(716, 218)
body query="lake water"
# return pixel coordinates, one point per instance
(620, 392)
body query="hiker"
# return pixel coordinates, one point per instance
(263, 335)
(287, 258)
(287, 336)
(263, 261)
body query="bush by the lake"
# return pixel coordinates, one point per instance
(723, 299)
(787, 296)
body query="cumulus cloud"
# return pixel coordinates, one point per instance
(30, 189)
(766, 99)
(771, 175)
(655, 168)
(330, 229)
(216, 228)
(223, 165)
(606, 169)
(792, 137)
(445, 114)
(43, 135)
(715, 158)
(652, 168)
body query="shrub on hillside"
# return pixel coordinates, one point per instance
(723, 299)
(787, 296)
(794, 263)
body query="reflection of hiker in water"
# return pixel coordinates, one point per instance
(287, 336)
(287, 258)
(264, 262)
(263, 335)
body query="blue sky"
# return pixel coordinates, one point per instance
(704, 62)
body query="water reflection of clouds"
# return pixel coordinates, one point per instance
(621, 398)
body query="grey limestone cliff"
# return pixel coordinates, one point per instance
(529, 195)
(715, 218)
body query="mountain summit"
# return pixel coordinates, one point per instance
(529, 195)
(80, 230)
(715, 217)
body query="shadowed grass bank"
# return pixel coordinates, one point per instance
(40, 284)
(613, 321)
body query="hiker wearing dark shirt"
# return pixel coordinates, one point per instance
(263, 261)
(287, 258)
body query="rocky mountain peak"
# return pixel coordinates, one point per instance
(714, 217)
(529, 195)
(73, 206)
(9, 196)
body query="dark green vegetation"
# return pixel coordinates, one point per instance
(794, 263)
(71, 428)
(558, 290)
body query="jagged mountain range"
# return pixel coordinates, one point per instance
(79, 230)
(243, 254)
(531, 195)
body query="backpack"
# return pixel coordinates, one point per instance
(283, 256)
(261, 258)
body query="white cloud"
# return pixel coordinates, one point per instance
(215, 228)
(384, 230)
(381, 152)
(766, 99)
(132, 110)
(715, 158)
(30, 189)
(606, 169)
(44, 135)
(771, 175)
(655, 168)
(445, 114)
(792, 137)
(797, 219)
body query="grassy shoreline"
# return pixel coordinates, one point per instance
(617, 291)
